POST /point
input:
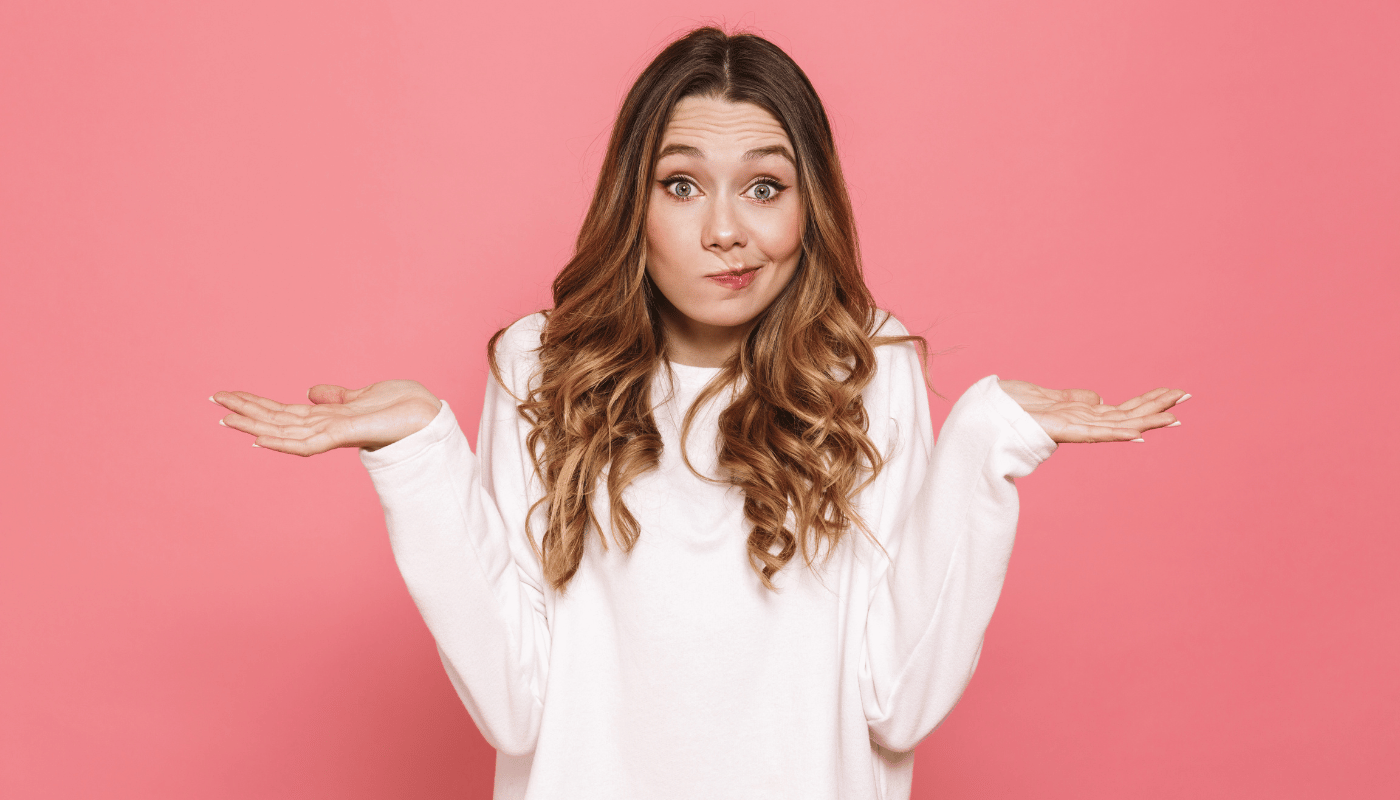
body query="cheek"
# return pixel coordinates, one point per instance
(782, 234)
(662, 237)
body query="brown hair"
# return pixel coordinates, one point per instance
(794, 436)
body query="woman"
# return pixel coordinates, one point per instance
(713, 397)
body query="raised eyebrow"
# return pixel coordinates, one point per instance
(680, 150)
(754, 154)
(771, 150)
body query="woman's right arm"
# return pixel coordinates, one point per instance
(456, 525)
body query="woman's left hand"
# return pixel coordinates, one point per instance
(1079, 415)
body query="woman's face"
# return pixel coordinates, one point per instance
(724, 224)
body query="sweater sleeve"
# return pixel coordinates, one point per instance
(946, 516)
(456, 524)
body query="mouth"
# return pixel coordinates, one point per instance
(736, 278)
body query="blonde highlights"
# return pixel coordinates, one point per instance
(793, 438)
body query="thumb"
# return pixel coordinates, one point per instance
(1081, 396)
(328, 393)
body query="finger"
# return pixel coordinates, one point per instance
(1080, 396)
(266, 402)
(1161, 402)
(260, 428)
(1144, 417)
(1096, 433)
(329, 393)
(1161, 420)
(243, 403)
(224, 398)
(1129, 405)
(1104, 414)
(1132, 427)
(255, 407)
(295, 409)
(319, 443)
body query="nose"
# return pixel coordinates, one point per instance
(724, 229)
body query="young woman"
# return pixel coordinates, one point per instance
(707, 547)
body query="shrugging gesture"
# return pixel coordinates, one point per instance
(1079, 415)
(377, 415)
(612, 552)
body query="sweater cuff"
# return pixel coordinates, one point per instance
(411, 446)
(1036, 444)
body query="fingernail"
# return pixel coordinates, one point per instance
(255, 444)
(212, 400)
(221, 422)
(1138, 440)
(1174, 424)
(1183, 399)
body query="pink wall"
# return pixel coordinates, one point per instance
(267, 195)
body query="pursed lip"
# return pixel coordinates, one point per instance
(733, 273)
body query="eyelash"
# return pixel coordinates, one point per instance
(778, 188)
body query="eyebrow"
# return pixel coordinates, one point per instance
(756, 153)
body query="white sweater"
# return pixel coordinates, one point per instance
(670, 672)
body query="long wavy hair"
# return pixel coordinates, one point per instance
(793, 438)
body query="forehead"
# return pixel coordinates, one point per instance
(711, 124)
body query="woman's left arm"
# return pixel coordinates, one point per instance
(946, 515)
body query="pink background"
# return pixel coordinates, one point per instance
(198, 196)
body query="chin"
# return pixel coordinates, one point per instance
(728, 318)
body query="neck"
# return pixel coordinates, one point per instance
(695, 344)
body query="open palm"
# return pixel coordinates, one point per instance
(1079, 415)
(377, 415)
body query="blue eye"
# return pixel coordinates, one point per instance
(681, 188)
(766, 191)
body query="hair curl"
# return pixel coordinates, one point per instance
(794, 436)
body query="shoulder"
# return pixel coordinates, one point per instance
(515, 352)
(897, 389)
(521, 337)
(886, 324)
(897, 352)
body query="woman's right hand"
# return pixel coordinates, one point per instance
(379, 414)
